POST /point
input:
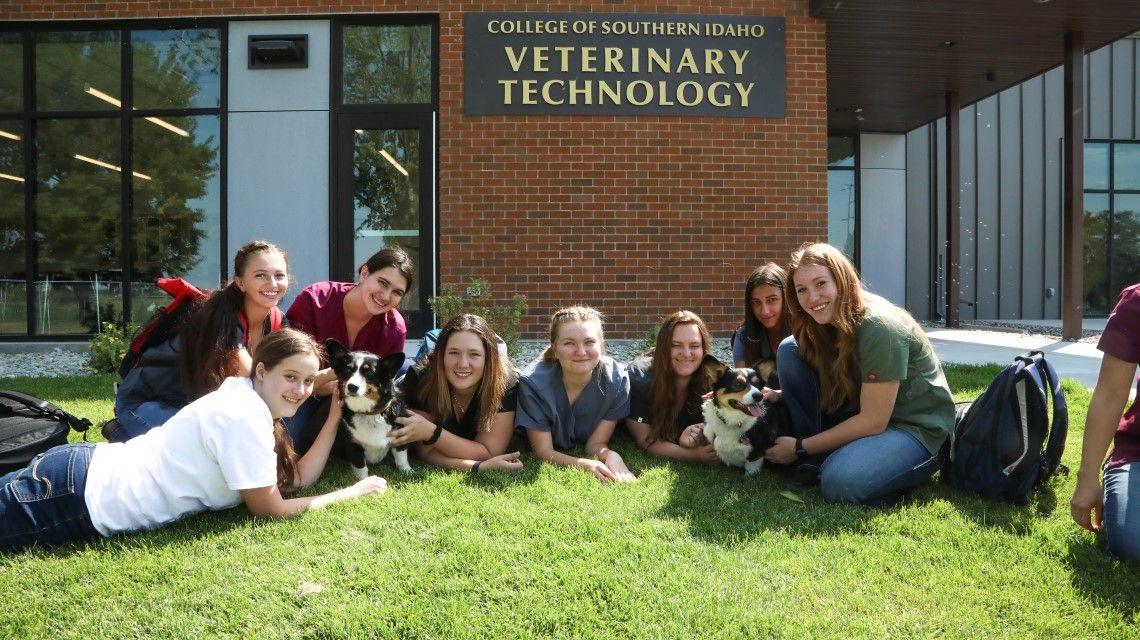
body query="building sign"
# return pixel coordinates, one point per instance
(624, 63)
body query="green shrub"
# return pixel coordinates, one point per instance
(109, 347)
(504, 320)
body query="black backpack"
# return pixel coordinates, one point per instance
(30, 426)
(1003, 445)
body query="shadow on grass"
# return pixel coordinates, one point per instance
(1103, 580)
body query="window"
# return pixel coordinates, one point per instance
(1112, 221)
(842, 196)
(116, 111)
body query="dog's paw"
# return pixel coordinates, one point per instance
(407, 470)
(360, 472)
(753, 468)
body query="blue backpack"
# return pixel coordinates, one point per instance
(1003, 445)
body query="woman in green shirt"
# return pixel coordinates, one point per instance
(869, 403)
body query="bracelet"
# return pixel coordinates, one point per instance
(475, 467)
(435, 434)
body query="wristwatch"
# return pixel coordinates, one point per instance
(800, 451)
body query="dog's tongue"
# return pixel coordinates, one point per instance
(755, 409)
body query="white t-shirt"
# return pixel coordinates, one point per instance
(200, 459)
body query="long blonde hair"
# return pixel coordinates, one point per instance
(577, 313)
(435, 392)
(829, 348)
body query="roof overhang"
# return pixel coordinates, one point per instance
(890, 63)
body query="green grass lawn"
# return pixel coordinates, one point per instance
(687, 551)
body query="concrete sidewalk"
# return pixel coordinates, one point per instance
(1079, 360)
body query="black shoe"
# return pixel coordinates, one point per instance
(109, 428)
(804, 477)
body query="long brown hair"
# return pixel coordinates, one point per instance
(755, 334)
(272, 349)
(663, 391)
(434, 390)
(830, 348)
(577, 313)
(207, 354)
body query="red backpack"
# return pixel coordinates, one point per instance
(165, 322)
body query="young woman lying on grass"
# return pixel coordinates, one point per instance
(225, 448)
(863, 385)
(574, 395)
(665, 390)
(1115, 509)
(462, 397)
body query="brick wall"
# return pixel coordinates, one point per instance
(638, 216)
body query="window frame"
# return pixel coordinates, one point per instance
(854, 169)
(29, 117)
(1113, 287)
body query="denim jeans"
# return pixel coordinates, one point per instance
(872, 470)
(43, 502)
(1122, 511)
(135, 421)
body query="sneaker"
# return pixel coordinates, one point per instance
(109, 428)
(804, 477)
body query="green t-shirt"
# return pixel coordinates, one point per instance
(890, 349)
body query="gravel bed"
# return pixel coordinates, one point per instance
(47, 364)
(620, 350)
(1087, 335)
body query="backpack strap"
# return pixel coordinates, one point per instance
(47, 410)
(1059, 429)
(276, 318)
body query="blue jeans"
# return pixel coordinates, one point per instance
(872, 470)
(1122, 512)
(135, 421)
(43, 502)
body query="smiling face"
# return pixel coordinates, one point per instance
(767, 303)
(816, 292)
(264, 280)
(463, 360)
(687, 350)
(382, 290)
(287, 385)
(578, 346)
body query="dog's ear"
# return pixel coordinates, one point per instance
(713, 368)
(391, 363)
(335, 349)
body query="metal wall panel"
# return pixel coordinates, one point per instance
(940, 205)
(986, 271)
(1054, 132)
(1009, 204)
(1099, 105)
(968, 199)
(1032, 274)
(1123, 89)
(918, 227)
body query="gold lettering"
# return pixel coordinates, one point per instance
(664, 64)
(629, 93)
(565, 53)
(717, 97)
(712, 61)
(529, 91)
(700, 93)
(738, 60)
(613, 59)
(587, 90)
(687, 61)
(744, 91)
(635, 60)
(507, 93)
(663, 96)
(546, 97)
(540, 56)
(513, 60)
(589, 59)
(605, 89)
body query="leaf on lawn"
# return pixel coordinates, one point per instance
(307, 588)
(794, 497)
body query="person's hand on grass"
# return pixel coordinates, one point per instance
(693, 436)
(508, 462)
(598, 468)
(783, 451)
(1087, 505)
(707, 454)
(615, 464)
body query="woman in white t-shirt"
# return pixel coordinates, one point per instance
(225, 448)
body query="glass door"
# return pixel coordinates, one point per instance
(385, 196)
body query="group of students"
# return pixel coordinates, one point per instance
(224, 414)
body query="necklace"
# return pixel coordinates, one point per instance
(460, 408)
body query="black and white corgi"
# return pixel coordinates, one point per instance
(739, 423)
(370, 404)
